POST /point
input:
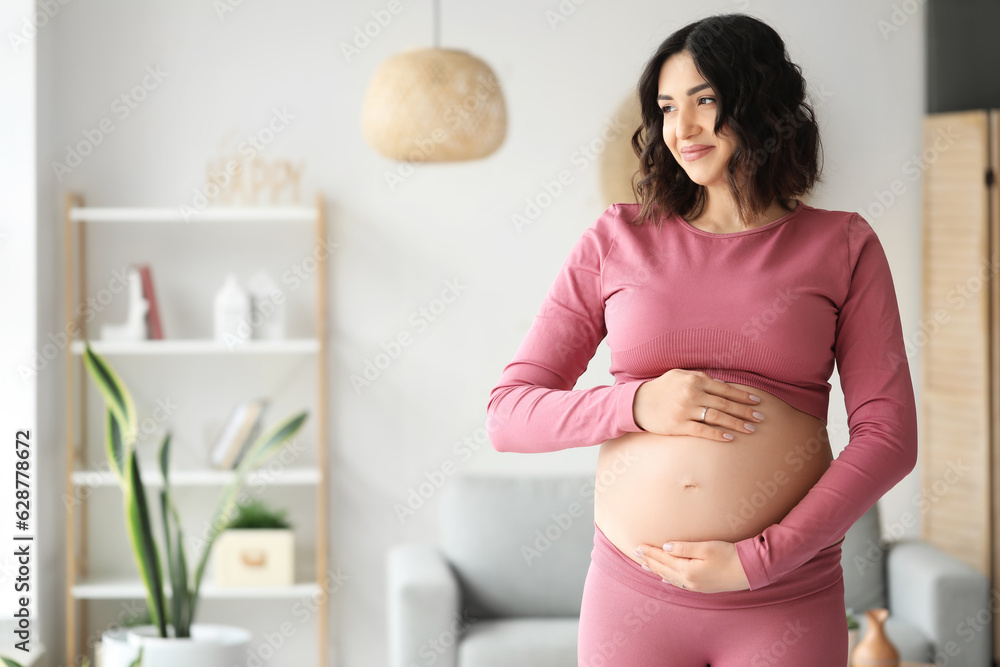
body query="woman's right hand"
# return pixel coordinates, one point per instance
(673, 403)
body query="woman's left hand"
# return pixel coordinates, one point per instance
(706, 567)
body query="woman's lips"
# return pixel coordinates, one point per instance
(692, 155)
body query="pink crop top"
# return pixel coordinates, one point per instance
(772, 307)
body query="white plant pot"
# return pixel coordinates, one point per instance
(254, 557)
(114, 649)
(208, 646)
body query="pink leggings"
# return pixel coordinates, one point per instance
(631, 617)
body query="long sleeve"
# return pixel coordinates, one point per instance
(881, 416)
(534, 407)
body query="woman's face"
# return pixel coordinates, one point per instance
(689, 108)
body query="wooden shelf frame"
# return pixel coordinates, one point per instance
(80, 588)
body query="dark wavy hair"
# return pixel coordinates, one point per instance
(761, 105)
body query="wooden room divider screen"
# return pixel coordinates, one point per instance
(960, 340)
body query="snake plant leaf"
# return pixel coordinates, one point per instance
(266, 445)
(269, 442)
(180, 598)
(174, 542)
(121, 434)
(165, 460)
(115, 445)
(181, 584)
(168, 546)
(7, 662)
(116, 395)
(143, 545)
(168, 543)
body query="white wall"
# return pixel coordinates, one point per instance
(399, 248)
(18, 328)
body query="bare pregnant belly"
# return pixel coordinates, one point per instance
(651, 488)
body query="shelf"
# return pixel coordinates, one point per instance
(280, 214)
(116, 587)
(286, 477)
(108, 232)
(199, 346)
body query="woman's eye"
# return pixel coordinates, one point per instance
(666, 108)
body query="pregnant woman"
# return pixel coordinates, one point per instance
(725, 301)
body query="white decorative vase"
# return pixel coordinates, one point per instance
(267, 307)
(232, 313)
(208, 646)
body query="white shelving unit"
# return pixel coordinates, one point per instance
(85, 582)
(123, 588)
(140, 215)
(182, 478)
(194, 346)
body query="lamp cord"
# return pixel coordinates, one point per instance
(437, 24)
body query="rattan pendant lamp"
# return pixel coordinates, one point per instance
(434, 105)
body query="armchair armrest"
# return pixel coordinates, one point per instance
(423, 606)
(945, 598)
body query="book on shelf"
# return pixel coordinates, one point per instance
(238, 433)
(153, 325)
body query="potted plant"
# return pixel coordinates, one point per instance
(172, 638)
(257, 548)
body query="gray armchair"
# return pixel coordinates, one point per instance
(505, 584)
